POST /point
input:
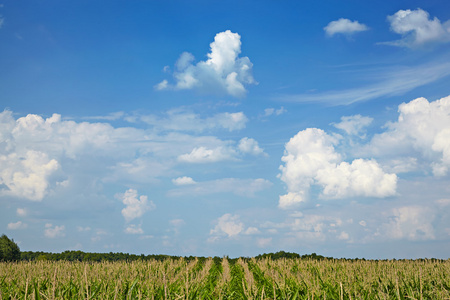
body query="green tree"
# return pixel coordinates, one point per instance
(8, 249)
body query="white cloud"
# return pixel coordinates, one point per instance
(307, 152)
(417, 28)
(250, 146)
(54, 231)
(37, 154)
(163, 85)
(223, 152)
(344, 26)
(205, 155)
(422, 131)
(411, 223)
(360, 178)
(232, 121)
(56, 138)
(134, 207)
(141, 169)
(21, 212)
(310, 227)
(240, 187)
(354, 125)
(26, 176)
(183, 181)
(133, 229)
(17, 225)
(223, 71)
(314, 223)
(310, 159)
(291, 199)
(228, 225)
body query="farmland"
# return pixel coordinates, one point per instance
(223, 278)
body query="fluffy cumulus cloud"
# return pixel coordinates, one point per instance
(32, 147)
(135, 207)
(417, 28)
(223, 71)
(344, 26)
(37, 154)
(422, 131)
(228, 225)
(311, 159)
(359, 178)
(26, 175)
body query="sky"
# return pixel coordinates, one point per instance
(237, 128)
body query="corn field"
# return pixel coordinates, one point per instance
(226, 279)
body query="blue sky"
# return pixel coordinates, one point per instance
(226, 128)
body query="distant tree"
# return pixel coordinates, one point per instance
(9, 251)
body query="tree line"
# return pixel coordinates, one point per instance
(10, 251)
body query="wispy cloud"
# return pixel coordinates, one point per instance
(241, 187)
(387, 82)
(109, 117)
(180, 119)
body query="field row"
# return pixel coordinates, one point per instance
(226, 279)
